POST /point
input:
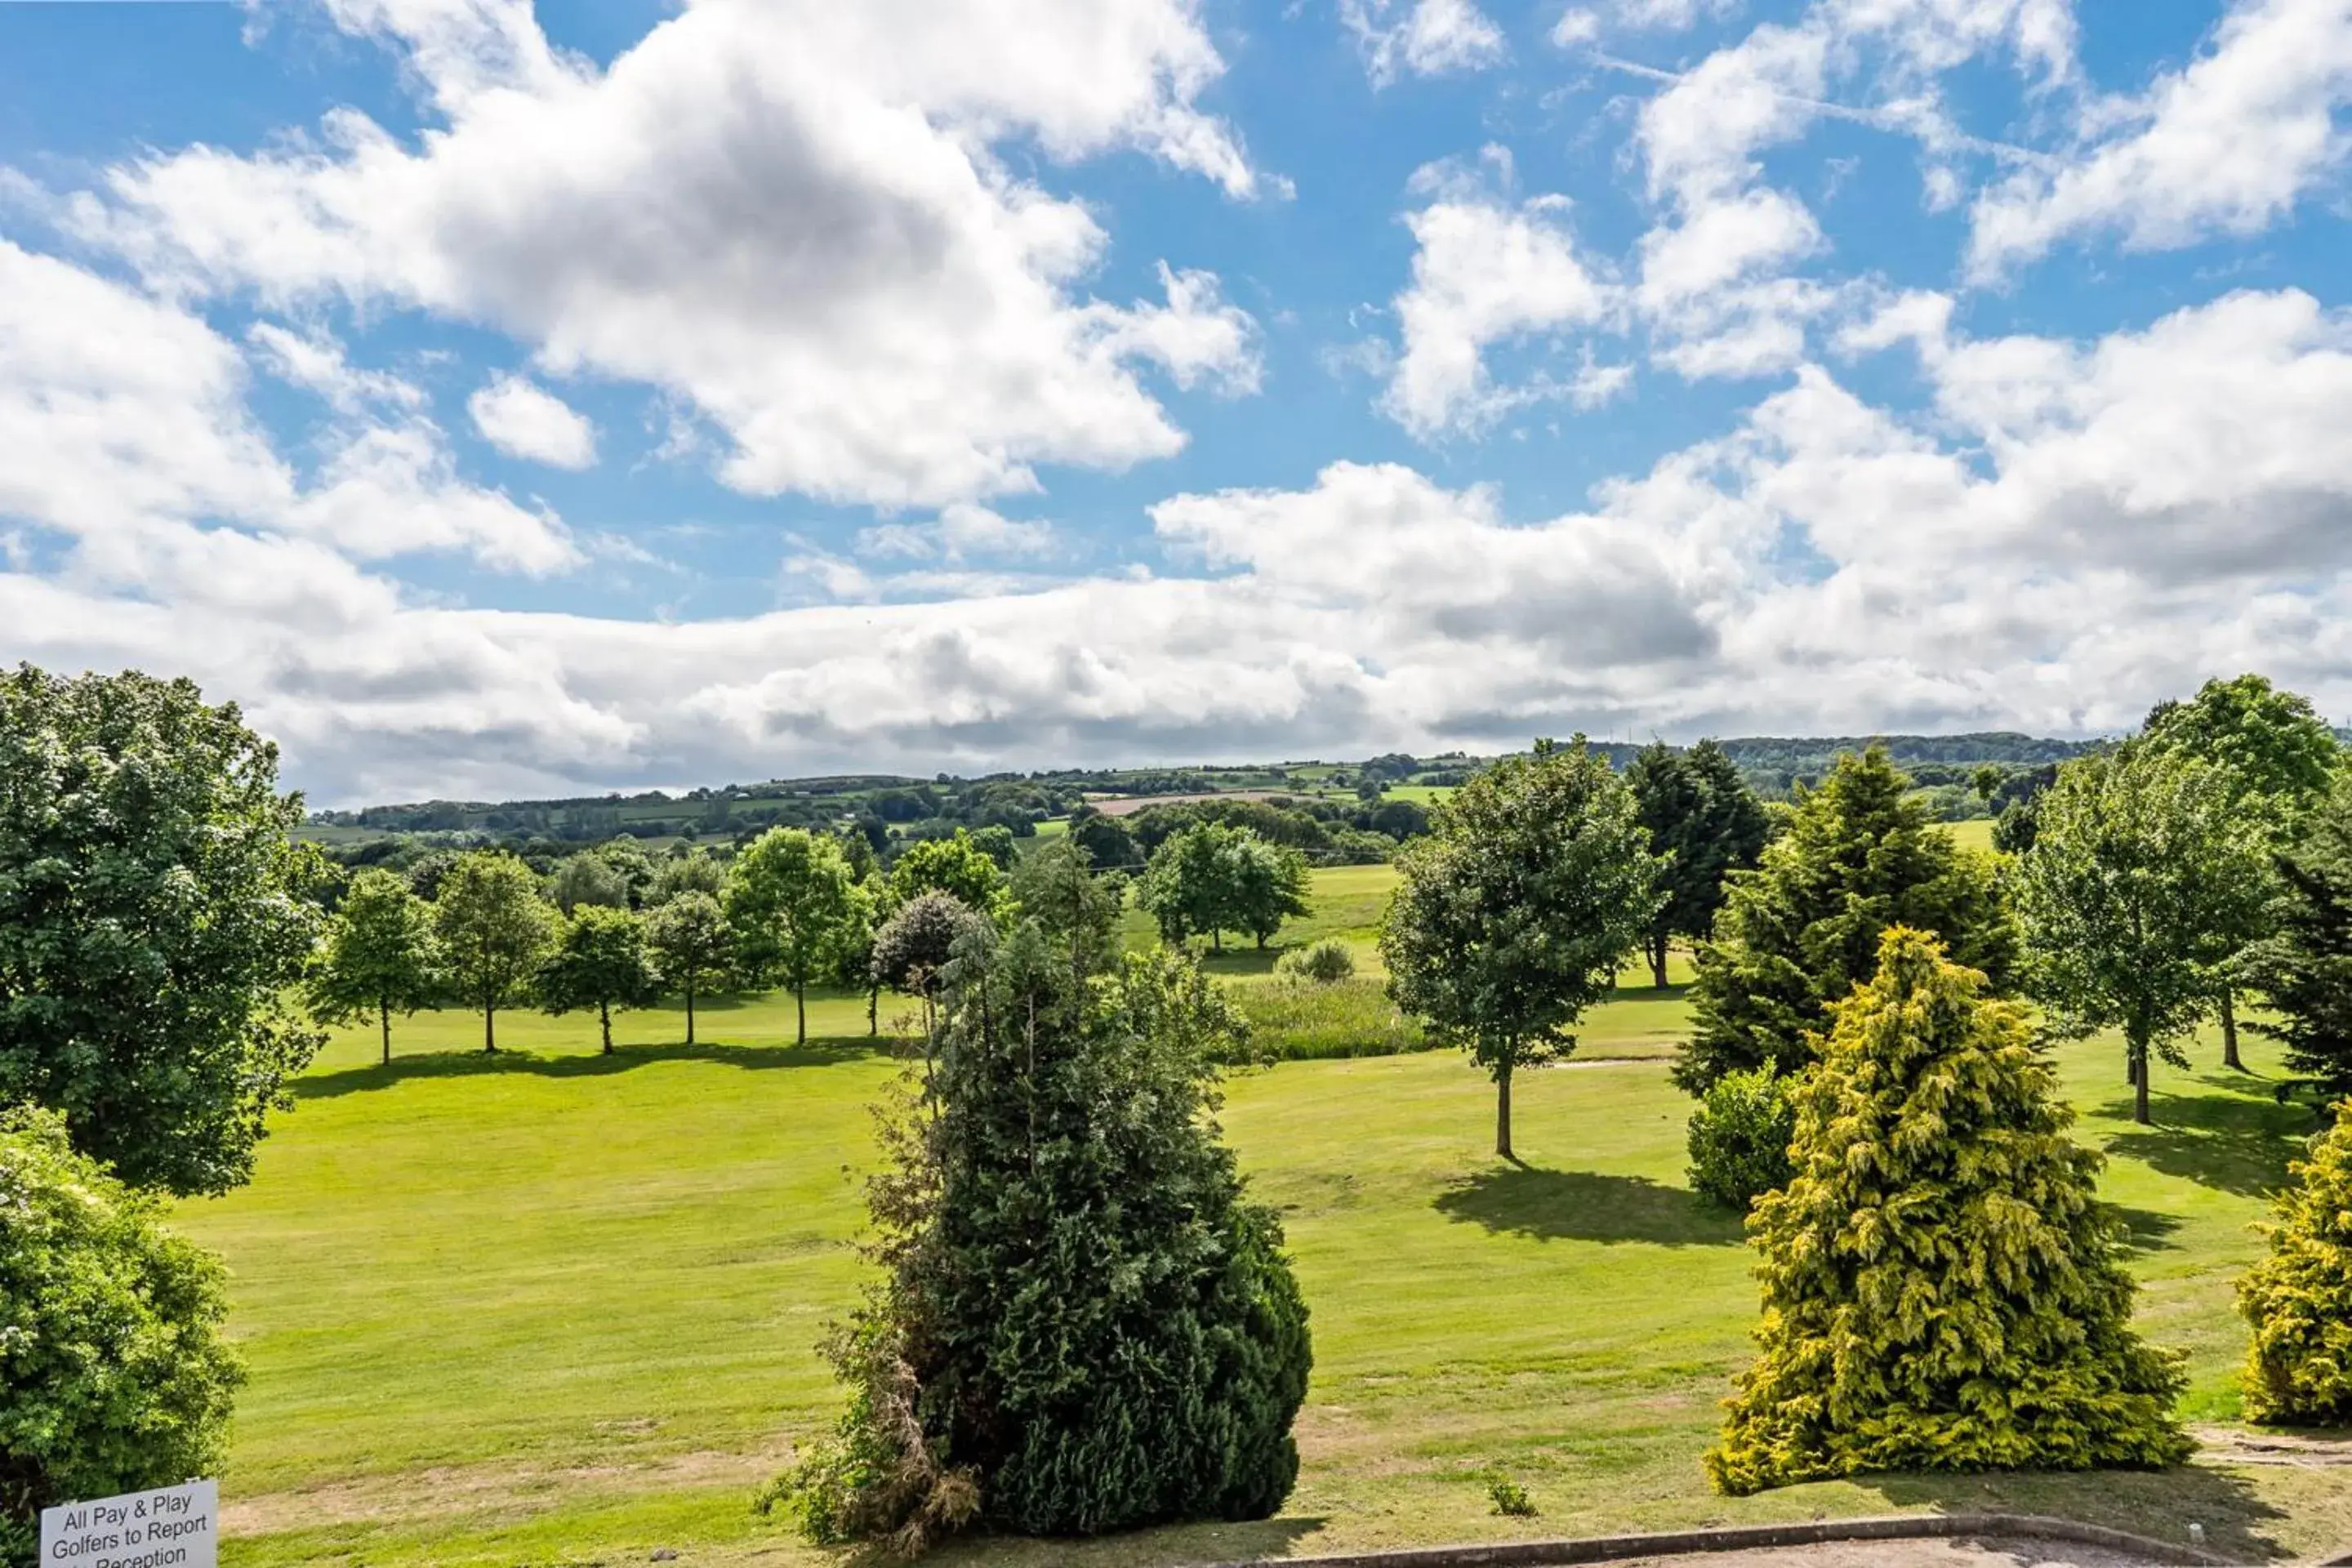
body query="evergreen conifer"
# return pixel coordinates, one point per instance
(2298, 1299)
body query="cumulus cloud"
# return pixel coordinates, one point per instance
(1421, 38)
(2226, 146)
(524, 419)
(960, 531)
(791, 217)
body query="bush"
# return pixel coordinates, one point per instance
(1511, 1499)
(1322, 1023)
(1322, 963)
(113, 1375)
(1941, 1287)
(2298, 1299)
(1739, 1139)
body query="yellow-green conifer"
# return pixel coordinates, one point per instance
(2299, 1298)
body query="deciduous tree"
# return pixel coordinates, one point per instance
(1514, 914)
(2139, 857)
(1942, 1290)
(1076, 908)
(588, 877)
(957, 865)
(792, 904)
(600, 963)
(1705, 823)
(1801, 930)
(155, 922)
(378, 957)
(1268, 885)
(494, 931)
(691, 945)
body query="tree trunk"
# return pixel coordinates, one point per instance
(1503, 1111)
(1658, 960)
(384, 1016)
(1216, 939)
(604, 1016)
(874, 1010)
(2229, 1030)
(2139, 1081)
(800, 1000)
(689, 1013)
(490, 1032)
(1261, 941)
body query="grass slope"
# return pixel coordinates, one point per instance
(556, 1308)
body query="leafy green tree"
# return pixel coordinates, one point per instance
(1187, 887)
(117, 1376)
(494, 932)
(1515, 913)
(1268, 885)
(996, 841)
(2298, 1298)
(155, 922)
(2139, 857)
(794, 908)
(1798, 933)
(1942, 1290)
(1105, 839)
(1083, 1325)
(1076, 908)
(602, 963)
(2303, 969)
(690, 944)
(1739, 1137)
(1706, 823)
(629, 861)
(956, 866)
(914, 947)
(2279, 760)
(697, 872)
(589, 879)
(378, 956)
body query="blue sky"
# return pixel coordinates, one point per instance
(494, 398)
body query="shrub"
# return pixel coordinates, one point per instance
(1322, 963)
(113, 1375)
(2298, 1299)
(1511, 1499)
(1941, 1289)
(1083, 1325)
(1739, 1139)
(1322, 1023)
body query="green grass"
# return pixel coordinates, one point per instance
(556, 1308)
(1297, 1021)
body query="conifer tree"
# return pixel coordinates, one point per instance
(2304, 969)
(1083, 1326)
(1801, 930)
(2298, 1299)
(1941, 1290)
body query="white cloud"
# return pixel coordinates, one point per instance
(788, 215)
(1433, 37)
(524, 419)
(2225, 146)
(960, 530)
(1485, 270)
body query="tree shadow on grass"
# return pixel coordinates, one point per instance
(479, 1064)
(1581, 1205)
(1241, 1540)
(2145, 1230)
(2158, 1504)
(2226, 1139)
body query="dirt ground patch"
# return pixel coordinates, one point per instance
(1986, 1553)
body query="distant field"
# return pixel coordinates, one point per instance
(1129, 805)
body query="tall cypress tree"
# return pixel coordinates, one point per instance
(1941, 1290)
(1801, 930)
(2298, 1299)
(1084, 1326)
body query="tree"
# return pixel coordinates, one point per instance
(588, 879)
(1075, 909)
(2278, 760)
(1083, 1326)
(1942, 1290)
(155, 922)
(2303, 968)
(690, 942)
(1514, 914)
(1190, 887)
(915, 945)
(957, 865)
(1798, 933)
(1105, 839)
(2138, 858)
(2297, 1298)
(602, 963)
(1268, 885)
(378, 956)
(794, 907)
(692, 873)
(494, 932)
(1706, 823)
(118, 1376)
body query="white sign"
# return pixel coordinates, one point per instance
(170, 1526)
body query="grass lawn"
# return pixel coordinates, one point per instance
(558, 1308)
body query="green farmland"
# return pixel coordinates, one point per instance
(637, 1253)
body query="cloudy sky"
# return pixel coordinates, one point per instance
(497, 400)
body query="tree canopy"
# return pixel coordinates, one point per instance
(494, 931)
(691, 945)
(2303, 968)
(2141, 865)
(2297, 1299)
(155, 923)
(379, 956)
(1705, 823)
(957, 866)
(1209, 878)
(1513, 916)
(1942, 1290)
(1801, 930)
(795, 909)
(2280, 759)
(600, 963)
